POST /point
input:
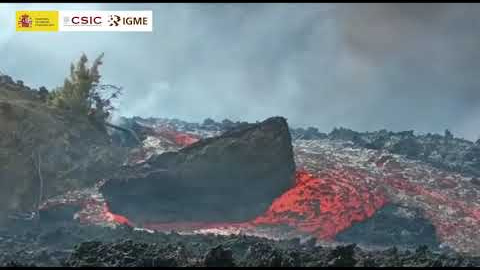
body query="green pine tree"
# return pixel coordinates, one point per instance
(81, 91)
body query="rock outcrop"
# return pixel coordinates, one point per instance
(232, 177)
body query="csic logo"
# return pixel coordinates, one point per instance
(25, 21)
(83, 20)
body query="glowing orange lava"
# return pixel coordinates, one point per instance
(322, 206)
(116, 218)
(179, 138)
(185, 139)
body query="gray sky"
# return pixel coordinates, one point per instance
(362, 66)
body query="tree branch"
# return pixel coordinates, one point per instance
(38, 165)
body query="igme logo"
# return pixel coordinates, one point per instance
(116, 20)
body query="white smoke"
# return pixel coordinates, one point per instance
(363, 66)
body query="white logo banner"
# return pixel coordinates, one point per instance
(102, 20)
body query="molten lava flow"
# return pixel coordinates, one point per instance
(351, 184)
(323, 206)
(93, 209)
(116, 218)
(179, 138)
(319, 206)
(185, 139)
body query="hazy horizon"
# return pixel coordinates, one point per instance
(360, 66)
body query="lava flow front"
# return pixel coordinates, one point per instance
(323, 206)
(179, 138)
(336, 187)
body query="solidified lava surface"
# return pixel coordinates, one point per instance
(80, 245)
(448, 200)
(392, 225)
(341, 187)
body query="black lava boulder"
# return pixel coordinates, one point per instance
(233, 177)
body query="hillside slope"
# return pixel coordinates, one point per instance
(44, 152)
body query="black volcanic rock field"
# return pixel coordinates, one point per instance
(75, 245)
